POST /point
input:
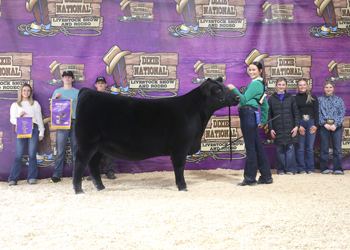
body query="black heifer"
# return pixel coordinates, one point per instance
(136, 129)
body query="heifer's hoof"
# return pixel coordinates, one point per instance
(99, 188)
(182, 187)
(79, 192)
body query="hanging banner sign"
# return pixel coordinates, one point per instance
(24, 127)
(61, 112)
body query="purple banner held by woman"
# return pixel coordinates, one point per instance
(61, 112)
(24, 127)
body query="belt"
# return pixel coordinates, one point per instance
(330, 121)
(307, 117)
(73, 120)
(245, 107)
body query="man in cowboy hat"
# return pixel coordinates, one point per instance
(65, 92)
(199, 70)
(115, 62)
(55, 71)
(41, 14)
(125, 6)
(188, 10)
(334, 70)
(325, 9)
(267, 11)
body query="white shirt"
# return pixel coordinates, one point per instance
(32, 111)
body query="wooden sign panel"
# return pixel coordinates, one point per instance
(342, 13)
(152, 71)
(15, 69)
(291, 67)
(221, 15)
(216, 135)
(283, 12)
(76, 14)
(142, 10)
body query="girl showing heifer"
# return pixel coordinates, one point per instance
(26, 107)
(284, 129)
(256, 156)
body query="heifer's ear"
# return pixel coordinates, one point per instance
(205, 87)
(219, 79)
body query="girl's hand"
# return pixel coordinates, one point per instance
(22, 114)
(294, 132)
(313, 129)
(231, 87)
(273, 134)
(327, 126)
(333, 127)
(302, 130)
(260, 126)
(41, 137)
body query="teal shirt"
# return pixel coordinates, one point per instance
(251, 96)
(68, 94)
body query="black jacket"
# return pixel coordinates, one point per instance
(288, 119)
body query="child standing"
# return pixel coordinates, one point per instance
(284, 128)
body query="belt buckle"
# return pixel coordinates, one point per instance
(306, 117)
(330, 121)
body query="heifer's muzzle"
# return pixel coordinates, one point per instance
(228, 101)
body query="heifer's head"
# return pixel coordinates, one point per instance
(218, 94)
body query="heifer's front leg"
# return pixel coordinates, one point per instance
(81, 161)
(179, 165)
(94, 166)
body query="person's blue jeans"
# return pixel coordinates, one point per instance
(305, 148)
(256, 157)
(109, 164)
(20, 145)
(61, 141)
(285, 158)
(336, 136)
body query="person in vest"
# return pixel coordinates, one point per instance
(284, 128)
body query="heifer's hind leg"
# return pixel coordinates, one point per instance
(94, 166)
(179, 165)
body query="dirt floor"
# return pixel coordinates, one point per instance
(145, 211)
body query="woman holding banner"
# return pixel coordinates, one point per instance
(28, 131)
(249, 116)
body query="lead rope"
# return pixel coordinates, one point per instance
(229, 121)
